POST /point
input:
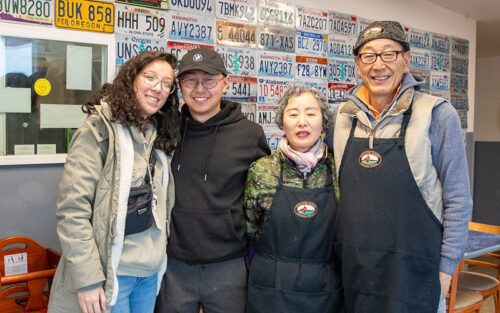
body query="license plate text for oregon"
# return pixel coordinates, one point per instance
(235, 34)
(241, 88)
(140, 21)
(310, 67)
(192, 6)
(311, 43)
(276, 13)
(271, 89)
(239, 10)
(129, 46)
(276, 39)
(275, 65)
(192, 27)
(341, 71)
(341, 23)
(238, 61)
(321, 86)
(180, 49)
(27, 11)
(312, 20)
(88, 15)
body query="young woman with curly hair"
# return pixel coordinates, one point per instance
(116, 193)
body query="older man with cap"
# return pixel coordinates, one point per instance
(404, 186)
(207, 244)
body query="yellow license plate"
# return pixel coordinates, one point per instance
(88, 15)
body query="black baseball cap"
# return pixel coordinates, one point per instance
(202, 59)
(382, 30)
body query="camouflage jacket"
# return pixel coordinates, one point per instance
(263, 179)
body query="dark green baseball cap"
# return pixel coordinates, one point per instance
(382, 30)
(202, 59)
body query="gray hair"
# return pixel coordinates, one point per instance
(297, 91)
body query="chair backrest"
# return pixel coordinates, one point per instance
(485, 228)
(37, 259)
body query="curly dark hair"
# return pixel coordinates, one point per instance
(122, 101)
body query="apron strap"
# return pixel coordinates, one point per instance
(404, 126)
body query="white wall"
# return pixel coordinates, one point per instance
(487, 116)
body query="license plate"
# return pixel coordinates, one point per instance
(271, 64)
(420, 58)
(340, 46)
(265, 117)
(311, 43)
(193, 6)
(312, 20)
(459, 101)
(192, 27)
(363, 23)
(241, 88)
(321, 86)
(129, 46)
(419, 38)
(235, 34)
(459, 83)
(88, 15)
(459, 65)
(459, 47)
(440, 61)
(440, 81)
(238, 61)
(337, 92)
(276, 13)
(425, 74)
(276, 39)
(273, 141)
(180, 49)
(440, 43)
(271, 89)
(341, 71)
(248, 110)
(137, 21)
(27, 11)
(462, 114)
(237, 10)
(341, 23)
(310, 67)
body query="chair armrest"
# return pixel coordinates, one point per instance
(53, 257)
(15, 279)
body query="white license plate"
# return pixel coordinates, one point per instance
(459, 83)
(180, 49)
(128, 47)
(321, 86)
(440, 81)
(276, 13)
(310, 67)
(265, 116)
(340, 46)
(341, 23)
(271, 64)
(459, 65)
(337, 92)
(248, 110)
(460, 47)
(237, 10)
(440, 43)
(271, 89)
(27, 11)
(238, 61)
(419, 38)
(420, 58)
(341, 71)
(440, 61)
(191, 27)
(459, 101)
(312, 20)
(311, 43)
(273, 141)
(140, 21)
(241, 88)
(193, 6)
(235, 34)
(276, 39)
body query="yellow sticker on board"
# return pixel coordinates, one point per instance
(42, 87)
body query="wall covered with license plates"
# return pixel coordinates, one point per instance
(267, 46)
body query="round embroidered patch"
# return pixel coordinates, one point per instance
(305, 209)
(370, 159)
(374, 31)
(197, 57)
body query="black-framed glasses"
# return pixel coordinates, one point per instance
(152, 81)
(207, 83)
(386, 56)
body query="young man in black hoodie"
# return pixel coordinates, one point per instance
(207, 245)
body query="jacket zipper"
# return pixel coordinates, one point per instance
(305, 180)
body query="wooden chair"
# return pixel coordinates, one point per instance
(486, 285)
(460, 300)
(25, 292)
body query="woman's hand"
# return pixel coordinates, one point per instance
(92, 301)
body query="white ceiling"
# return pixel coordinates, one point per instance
(487, 15)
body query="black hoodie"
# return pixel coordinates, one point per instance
(210, 167)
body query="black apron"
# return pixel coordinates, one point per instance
(388, 240)
(293, 270)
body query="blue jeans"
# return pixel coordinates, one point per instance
(136, 294)
(442, 304)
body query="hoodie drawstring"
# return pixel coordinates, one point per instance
(209, 153)
(182, 143)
